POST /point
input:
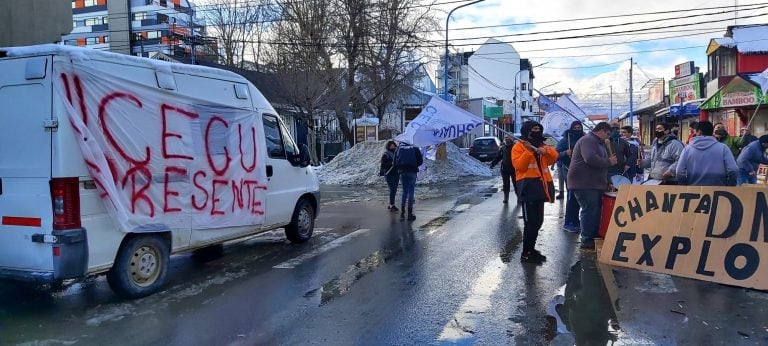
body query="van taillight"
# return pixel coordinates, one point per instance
(65, 193)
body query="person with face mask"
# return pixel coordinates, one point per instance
(665, 152)
(588, 179)
(621, 148)
(565, 150)
(532, 158)
(749, 160)
(507, 170)
(387, 169)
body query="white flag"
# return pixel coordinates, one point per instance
(762, 79)
(437, 123)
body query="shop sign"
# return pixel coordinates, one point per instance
(684, 89)
(684, 69)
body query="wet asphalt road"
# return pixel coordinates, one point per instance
(453, 276)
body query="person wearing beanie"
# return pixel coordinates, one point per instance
(565, 150)
(531, 158)
(750, 158)
(588, 179)
(705, 161)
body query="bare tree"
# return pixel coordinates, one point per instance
(391, 56)
(237, 24)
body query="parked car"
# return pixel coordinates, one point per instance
(484, 148)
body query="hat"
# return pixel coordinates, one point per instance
(574, 123)
(527, 126)
(763, 139)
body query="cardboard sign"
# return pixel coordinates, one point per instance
(708, 233)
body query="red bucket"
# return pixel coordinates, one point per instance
(606, 210)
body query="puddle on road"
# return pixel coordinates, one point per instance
(341, 284)
(584, 307)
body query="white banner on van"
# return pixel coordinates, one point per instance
(437, 123)
(163, 161)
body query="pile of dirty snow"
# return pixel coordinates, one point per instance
(360, 166)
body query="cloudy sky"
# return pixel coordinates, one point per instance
(657, 34)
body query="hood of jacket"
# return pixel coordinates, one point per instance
(703, 142)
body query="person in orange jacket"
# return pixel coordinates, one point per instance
(531, 159)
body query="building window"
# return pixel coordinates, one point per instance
(153, 34)
(89, 3)
(523, 86)
(92, 40)
(106, 39)
(524, 105)
(140, 16)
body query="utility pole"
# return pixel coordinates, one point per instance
(631, 120)
(192, 32)
(610, 116)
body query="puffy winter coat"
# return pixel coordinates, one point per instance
(534, 181)
(663, 158)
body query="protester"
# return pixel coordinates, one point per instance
(532, 158)
(507, 170)
(676, 130)
(665, 152)
(721, 134)
(750, 158)
(706, 162)
(565, 150)
(745, 137)
(635, 151)
(621, 148)
(407, 161)
(588, 179)
(388, 171)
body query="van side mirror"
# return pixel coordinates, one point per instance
(301, 159)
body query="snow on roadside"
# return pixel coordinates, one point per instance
(360, 166)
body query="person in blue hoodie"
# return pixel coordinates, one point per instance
(565, 150)
(750, 158)
(705, 161)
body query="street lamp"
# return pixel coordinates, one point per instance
(514, 97)
(445, 68)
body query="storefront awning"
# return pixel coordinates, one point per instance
(741, 92)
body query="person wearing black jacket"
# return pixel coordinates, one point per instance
(387, 169)
(507, 170)
(621, 148)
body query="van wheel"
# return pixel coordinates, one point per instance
(302, 223)
(140, 267)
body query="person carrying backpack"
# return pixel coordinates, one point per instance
(407, 161)
(387, 169)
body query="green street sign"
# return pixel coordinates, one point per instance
(493, 112)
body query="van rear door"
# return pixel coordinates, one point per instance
(26, 123)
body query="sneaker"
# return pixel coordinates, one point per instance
(530, 257)
(402, 216)
(394, 209)
(537, 253)
(559, 196)
(588, 245)
(411, 217)
(568, 227)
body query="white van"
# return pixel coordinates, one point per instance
(111, 163)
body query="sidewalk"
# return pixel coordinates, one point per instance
(660, 309)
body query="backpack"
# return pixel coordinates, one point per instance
(406, 156)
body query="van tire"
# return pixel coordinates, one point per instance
(302, 223)
(140, 266)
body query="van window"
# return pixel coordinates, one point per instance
(272, 135)
(288, 144)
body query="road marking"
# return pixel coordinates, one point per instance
(464, 322)
(292, 263)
